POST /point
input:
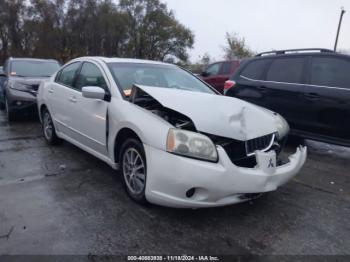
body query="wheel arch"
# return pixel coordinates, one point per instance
(121, 136)
(41, 110)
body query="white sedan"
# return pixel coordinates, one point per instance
(177, 142)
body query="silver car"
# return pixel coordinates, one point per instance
(21, 78)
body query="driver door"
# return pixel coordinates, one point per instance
(89, 116)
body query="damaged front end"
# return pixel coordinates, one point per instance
(241, 153)
(144, 100)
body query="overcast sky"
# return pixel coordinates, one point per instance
(265, 24)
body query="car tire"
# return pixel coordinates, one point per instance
(2, 105)
(49, 130)
(132, 160)
(11, 116)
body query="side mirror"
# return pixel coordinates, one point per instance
(205, 74)
(93, 92)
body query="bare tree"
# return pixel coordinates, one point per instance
(236, 47)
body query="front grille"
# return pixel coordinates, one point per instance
(261, 143)
(241, 153)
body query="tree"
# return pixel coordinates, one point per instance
(236, 47)
(65, 29)
(154, 32)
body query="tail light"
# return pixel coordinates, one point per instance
(228, 84)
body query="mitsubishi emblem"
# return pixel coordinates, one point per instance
(271, 165)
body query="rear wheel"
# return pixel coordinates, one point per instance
(11, 116)
(133, 166)
(49, 129)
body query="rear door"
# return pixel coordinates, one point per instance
(284, 84)
(59, 95)
(328, 96)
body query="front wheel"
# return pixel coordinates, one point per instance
(49, 129)
(134, 169)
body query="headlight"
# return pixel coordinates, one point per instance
(18, 86)
(191, 144)
(282, 127)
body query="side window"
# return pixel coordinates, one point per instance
(330, 71)
(90, 75)
(67, 75)
(255, 69)
(226, 68)
(288, 70)
(213, 69)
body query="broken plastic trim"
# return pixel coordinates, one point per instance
(146, 101)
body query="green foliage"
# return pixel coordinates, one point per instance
(64, 29)
(236, 47)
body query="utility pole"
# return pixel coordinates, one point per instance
(340, 21)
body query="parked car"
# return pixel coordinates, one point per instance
(216, 74)
(310, 88)
(20, 81)
(176, 140)
(2, 80)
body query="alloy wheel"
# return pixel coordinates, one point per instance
(134, 171)
(48, 126)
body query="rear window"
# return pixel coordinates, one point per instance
(330, 71)
(255, 69)
(288, 70)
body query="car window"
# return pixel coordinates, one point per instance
(226, 68)
(213, 69)
(330, 71)
(90, 75)
(67, 74)
(33, 68)
(255, 69)
(288, 70)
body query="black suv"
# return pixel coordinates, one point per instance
(308, 87)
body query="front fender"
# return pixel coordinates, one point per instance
(151, 129)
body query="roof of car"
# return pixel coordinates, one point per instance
(120, 60)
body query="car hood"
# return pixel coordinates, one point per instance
(216, 114)
(30, 80)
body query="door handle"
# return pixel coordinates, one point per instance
(51, 91)
(73, 99)
(311, 96)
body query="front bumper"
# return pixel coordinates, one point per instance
(20, 100)
(169, 177)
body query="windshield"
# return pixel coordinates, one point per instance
(33, 68)
(166, 76)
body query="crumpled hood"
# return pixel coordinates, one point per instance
(217, 115)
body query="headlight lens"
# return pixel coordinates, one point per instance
(191, 144)
(282, 127)
(18, 86)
